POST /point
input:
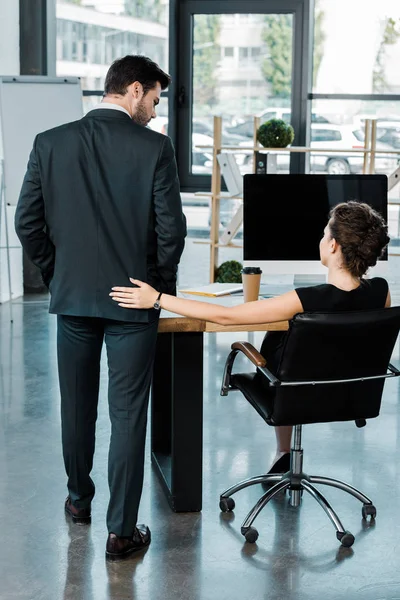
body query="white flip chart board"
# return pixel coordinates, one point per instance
(28, 106)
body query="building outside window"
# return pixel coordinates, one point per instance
(228, 52)
(93, 33)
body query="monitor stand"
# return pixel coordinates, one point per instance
(303, 280)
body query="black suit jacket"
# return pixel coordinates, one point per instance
(100, 203)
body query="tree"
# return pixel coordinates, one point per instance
(277, 35)
(319, 39)
(277, 67)
(390, 36)
(152, 10)
(206, 54)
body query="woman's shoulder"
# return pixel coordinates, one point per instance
(314, 290)
(375, 283)
(376, 279)
(315, 296)
(377, 290)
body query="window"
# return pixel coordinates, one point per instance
(359, 135)
(353, 114)
(356, 111)
(243, 87)
(325, 135)
(204, 128)
(246, 19)
(87, 43)
(243, 83)
(229, 20)
(389, 135)
(252, 52)
(357, 47)
(268, 115)
(246, 129)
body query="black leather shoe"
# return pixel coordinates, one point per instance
(282, 465)
(121, 547)
(81, 516)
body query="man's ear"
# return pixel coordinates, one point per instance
(333, 246)
(136, 90)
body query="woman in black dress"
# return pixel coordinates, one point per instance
(353, 240)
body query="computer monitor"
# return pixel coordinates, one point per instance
(285, 215)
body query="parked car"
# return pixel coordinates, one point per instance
(202, 157)
(389, 133)
(344, 137)
(203, 127)
(337, 137)
(246, 127)
(206, 128)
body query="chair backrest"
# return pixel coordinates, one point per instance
(332, 346)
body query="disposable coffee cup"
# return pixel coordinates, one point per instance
(251, 278)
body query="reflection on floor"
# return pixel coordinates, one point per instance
(192, 556)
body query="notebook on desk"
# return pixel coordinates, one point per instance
(214, 290)
(217, 290)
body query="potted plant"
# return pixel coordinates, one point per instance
(229, 272)
(275, 133)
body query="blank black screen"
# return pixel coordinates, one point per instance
(284, 215)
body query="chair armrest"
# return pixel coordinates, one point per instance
(252, 354)
(274, 381)
(257, 359)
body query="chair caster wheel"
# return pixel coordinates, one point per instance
(346, 538)
(368, 510)
(227, 504)
(251, 534)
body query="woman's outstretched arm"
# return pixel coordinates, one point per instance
(272, 310)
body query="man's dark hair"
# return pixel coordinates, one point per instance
(131, 68)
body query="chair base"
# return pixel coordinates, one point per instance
(296, 481)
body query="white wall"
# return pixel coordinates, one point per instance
(9, 65)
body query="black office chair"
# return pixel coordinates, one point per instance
(333, 367)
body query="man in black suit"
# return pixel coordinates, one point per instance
(100, 203)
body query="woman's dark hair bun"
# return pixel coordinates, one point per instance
(362, 234)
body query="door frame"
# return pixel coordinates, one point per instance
(180, 109)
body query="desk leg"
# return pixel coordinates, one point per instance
(177, 418)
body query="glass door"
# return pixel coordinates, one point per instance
(237, 62)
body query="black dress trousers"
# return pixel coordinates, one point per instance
(130, 352)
